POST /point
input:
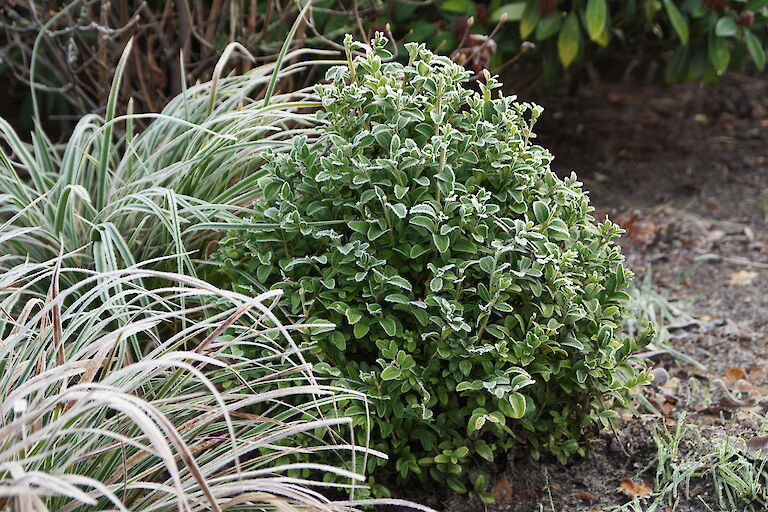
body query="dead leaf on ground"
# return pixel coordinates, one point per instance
(715, 234)
(757, 444)
(672, 385)
(728, 400)
(733, 374)
(743, 385)
(716, 411)
(634, 489)
(742, 277)
(502, 490)
(637, 230)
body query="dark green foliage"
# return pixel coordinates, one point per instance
(472, 291)
(695, 39)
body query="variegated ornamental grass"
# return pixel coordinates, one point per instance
(131, 194)
(192, 425)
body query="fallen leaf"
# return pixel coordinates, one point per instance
(672, 384)
(733, 374)
(742, 277)
(502, 490)
(715, 234)
(585, 496)
(634, 489)
(728, 400)
(636, 230)
(743, 385)
(757, 444)
(715, 410)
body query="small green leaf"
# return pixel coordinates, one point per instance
(756, 5)
(484, 451)
(726, 27)
(358, 225)
(604, 37)
(461, 452)
(418, 250)
(487, 263)
(361, 330)
(597, 14)
(529, 19)
(399, 209)
(442, 242)
(513, 11)
(569, 40)
(397, 298)
(517, 401)
(383, 135)
(456, 6)
(480, 482)
(755, 48)
(463, 386)
(263, 272)
(391, 373)
(456, 485)
(353, 315)
(541, 211)
(679, 23)
(389, 325)
(423, 221)
(549, 26)
(719, 53)
(394, 144)
(497, 417)
(338, 340)
(400, 283)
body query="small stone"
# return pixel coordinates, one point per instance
(660, 376)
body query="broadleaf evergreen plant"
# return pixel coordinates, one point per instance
(472, 290)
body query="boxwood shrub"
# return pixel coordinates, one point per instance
(474, 295)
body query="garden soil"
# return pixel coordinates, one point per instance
(684, 169)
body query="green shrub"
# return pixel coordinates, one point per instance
(471, 288)
(693, 39)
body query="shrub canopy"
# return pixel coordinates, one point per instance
(472, 290)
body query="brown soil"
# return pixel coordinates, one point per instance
(684, 170)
